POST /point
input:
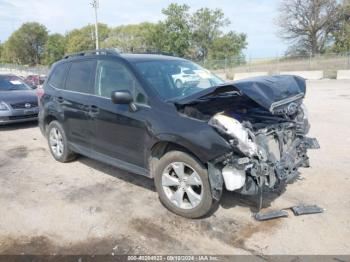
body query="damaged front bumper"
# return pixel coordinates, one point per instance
(295, 157)
(246, 175)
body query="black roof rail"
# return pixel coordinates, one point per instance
(105, 51)
(152, 52)
(160, 53)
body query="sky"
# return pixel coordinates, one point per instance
(253, 17)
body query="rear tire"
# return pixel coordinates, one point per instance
(183, 185)
(58, 143)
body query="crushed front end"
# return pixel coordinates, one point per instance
(264, 153)
(268, 147)
(266, 123)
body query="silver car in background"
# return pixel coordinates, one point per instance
(18, 101)
(186, 78)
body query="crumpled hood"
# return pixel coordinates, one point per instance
(20, 96)
(267, 91)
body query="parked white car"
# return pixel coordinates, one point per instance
(187, 77)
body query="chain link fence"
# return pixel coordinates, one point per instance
(328, 63)
(22, 70)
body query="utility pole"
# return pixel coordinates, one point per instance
(95, 5)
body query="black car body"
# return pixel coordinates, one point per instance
(18, 102)
(242, 135)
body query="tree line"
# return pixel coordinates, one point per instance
(195, 35)
(314, 27)
(310, 27)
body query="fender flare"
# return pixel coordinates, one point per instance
(181, 142)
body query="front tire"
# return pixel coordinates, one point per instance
(183, 185)
(58, 143)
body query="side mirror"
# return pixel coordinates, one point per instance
(122, 97)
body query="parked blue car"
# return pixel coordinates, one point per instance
(18, 101)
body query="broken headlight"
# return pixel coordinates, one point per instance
(302, 113)
(243, 137)
(303, 120)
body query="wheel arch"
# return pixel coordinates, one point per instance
(161, 147)
(168, 143)
(48, 119)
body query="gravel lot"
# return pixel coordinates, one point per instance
(86, 207)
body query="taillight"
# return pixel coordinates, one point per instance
(40, 92)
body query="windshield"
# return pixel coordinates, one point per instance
(12, 83)
(176, 79)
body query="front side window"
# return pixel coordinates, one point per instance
(58, 75)
(79, 77)
(114, 76)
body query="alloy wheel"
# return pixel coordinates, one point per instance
(56, 142)
(182, 185)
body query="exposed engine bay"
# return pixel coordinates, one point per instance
(268, 138)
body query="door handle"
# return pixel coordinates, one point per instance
(60, 99)
(94, 109)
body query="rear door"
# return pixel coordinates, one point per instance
(76, 101)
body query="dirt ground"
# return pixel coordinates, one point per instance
(86, 207)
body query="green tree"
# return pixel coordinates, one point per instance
(84, 38)
(206, 27)
(174, 32)
(26, 45)
(131, 38)
(54, 48)
(308, 24)
(198, 35)
(342, 35)
(228, 45)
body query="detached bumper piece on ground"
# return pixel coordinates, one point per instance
(306, 210)
(297, 210)
(271, 215)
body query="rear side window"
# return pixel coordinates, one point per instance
(79, 77)
(58, 75)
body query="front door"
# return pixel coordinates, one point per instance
(120, 132)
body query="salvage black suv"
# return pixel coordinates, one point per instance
(194, 138)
